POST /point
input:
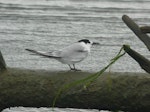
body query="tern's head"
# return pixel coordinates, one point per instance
(86, 41)
(86, 44)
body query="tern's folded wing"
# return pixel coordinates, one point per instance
(74, 53)
(45, 54)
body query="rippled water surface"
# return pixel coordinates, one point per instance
(22, 109)
(53, 24)
(48, 25)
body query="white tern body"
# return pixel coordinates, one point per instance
(69, 55)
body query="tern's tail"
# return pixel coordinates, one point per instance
(40, 53)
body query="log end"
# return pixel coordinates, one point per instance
(145, 29)
(2, 63)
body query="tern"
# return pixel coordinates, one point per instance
(69, 55)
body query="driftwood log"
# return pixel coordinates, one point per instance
(136, 29)
(140, 32)
(143, 62)
(111, 91)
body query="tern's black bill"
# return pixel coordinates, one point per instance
(95, 43)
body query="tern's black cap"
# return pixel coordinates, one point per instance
(85, 41)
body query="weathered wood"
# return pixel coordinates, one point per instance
(2, 63)
(136, 29)
(143, 62)
(145, 29)
(111, 91)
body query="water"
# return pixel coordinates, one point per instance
(52, 24)
(22, 109)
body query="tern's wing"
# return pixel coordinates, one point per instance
(76, 52)
(45, 54)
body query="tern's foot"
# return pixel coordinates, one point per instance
(74, 69)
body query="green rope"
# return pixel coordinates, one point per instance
(89, 79)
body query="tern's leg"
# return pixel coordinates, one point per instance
(70, 67)
(74, 68)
